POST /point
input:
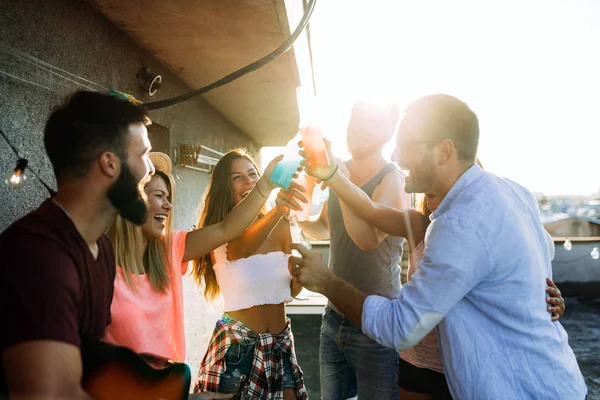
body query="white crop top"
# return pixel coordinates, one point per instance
(253, 281)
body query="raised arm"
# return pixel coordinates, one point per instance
(204, 240)
(389, 220)
(387, 192)
(248, 242)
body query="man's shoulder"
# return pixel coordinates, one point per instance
(36, 241)
(487, 203)
(492, 181)
(393, 179)
(393, 182)
(497, 194)
(37, 254)
(391, 171)
(39, 222)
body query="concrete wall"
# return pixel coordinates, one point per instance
(573, 227)
(75, 37)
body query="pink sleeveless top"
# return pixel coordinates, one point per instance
(147, 321)
(426, 354)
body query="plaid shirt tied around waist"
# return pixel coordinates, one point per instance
(267, 371)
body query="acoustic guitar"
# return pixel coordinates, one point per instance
(118, 373)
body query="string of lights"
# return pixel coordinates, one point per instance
(568, 246)
(16, 178)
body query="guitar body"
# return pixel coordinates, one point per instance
(112, 372)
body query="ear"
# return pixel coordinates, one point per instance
(110, 164)
(445, 151)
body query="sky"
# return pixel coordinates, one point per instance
(530, 69)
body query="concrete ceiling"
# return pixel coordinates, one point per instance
(201, 41)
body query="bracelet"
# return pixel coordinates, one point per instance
(259, 192)
(332, 174)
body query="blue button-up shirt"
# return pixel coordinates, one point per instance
(483, 279)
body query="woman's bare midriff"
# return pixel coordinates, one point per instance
(268, 318)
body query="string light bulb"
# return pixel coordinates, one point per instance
(16, 178)
(595, 253)
(568, 245)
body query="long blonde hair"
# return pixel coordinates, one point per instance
(136, 259)
(219, 200)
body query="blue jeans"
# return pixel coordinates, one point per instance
(352, 364)
(238, 362)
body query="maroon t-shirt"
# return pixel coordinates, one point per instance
(51, 287)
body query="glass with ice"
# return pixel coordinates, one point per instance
(286, 171)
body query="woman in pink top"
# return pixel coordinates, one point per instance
(147, 306)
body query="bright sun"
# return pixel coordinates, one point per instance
(528, 69)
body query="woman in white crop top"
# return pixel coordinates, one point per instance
(253, 338)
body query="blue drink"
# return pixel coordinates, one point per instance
(284, 171)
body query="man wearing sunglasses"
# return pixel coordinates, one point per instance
(482, 277)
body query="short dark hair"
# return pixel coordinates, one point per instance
(87, 124)
(441, 116)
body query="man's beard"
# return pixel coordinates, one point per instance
(421, 178)
(127, 196)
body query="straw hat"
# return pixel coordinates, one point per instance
(161, 161)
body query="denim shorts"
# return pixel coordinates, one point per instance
(238, 363)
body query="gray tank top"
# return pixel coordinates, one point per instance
(373, 272)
